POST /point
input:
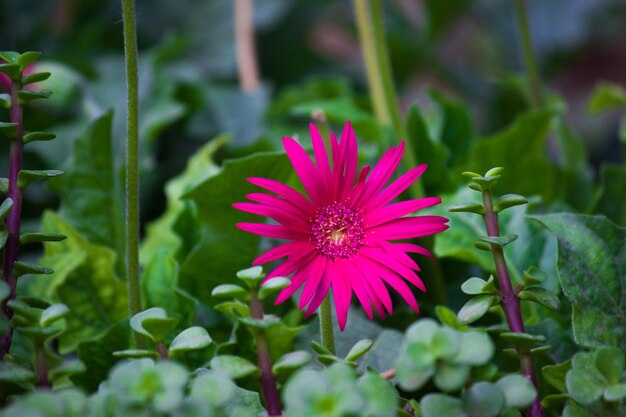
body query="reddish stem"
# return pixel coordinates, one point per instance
(246, 49)
(13, 219)
(162, 350)
(42, 368)
(510, 303)
(268, 381)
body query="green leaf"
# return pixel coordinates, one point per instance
(591, 267)
(251, 276)
(97, 355)
(27, 58)
(84, 280)
(11, 372)
(26, 96)
(223, 248)
(584, 387)
(541, 296)
(450, 377)
(135, 353)
(457, 131)
(27, 177)
(5, 291)
(153, 323)
(467, 208)
(22, 268)
(36, 136)
(272, 286)
(608, 199)
(518, 391)
(359, 349)
(509, 200)
(5, 208)
(65, 368)
(574, 410)
(440, 405)
(483, 399)
(159, 287)
(475, 308)
(9, 129)
(521, 148)
(193, 338)
(11, 70)
(4, 235)
(382, 398)
(291, 361)
(534, 276)
(160, 234)
(88, 190)
(53, 313)
(27, 238)
(448, 317)
(501, 241)
(475, 286)
(475, 349)
(607, 96)
(234, 366)
(428, 149)
(10, 57)
(212, 387)
(555, 374)
(615, 392)
(230, 291)
(5, 101)
(445, 343)
(523, 341)
(35, 78)
(610, 361)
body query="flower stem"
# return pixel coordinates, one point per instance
(14, 217)
(379, 76)
(529, 57)
(246, 50)
(510, 302)
(42, 368)
(162, 350)
(326, 325)
(268, 381)
(132, 158)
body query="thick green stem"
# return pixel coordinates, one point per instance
(326, 325)
(132, 162)
(530, 62)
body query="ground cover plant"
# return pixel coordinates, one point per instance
(334, 208)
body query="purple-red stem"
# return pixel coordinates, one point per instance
(268, 381)
(42, 368)
(13, 219)
(162, 351)
(510, 302)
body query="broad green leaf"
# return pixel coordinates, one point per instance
(53, 313)
(541, 296)
(223, 249)
(89, 188)
(27, 177)
(518, 391)
(610, 361)
(483, 399)
(273, 286)
(27, 58)
(381, 396)
(584, 387)
(615, 392)
(457, 131)
(521, 148)
(234, 366)
(591, 268)
(475, 308)
(160, 234)
(159, 285)
(555, 374)
(440, 405)
(450, 377)
(230, 291)
(609, 199)
(84, 279)
(475, 349)
(291, 361)
(607, 96)
(193, 338)
(97, 355)
(152, 323)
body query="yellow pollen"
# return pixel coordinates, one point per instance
(337, 236)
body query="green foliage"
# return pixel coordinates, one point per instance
(430, 350)
(337, 392)
(591, 267)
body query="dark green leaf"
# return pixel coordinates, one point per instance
(483, 399)
(457, 131)
(21, 268)
(66, 368)
(607, 96)
(30, 95)
(11, 70)
(5, 101)
(509, 200)
(27, 177)
(555, 374)
(26, 238)
(524, 341)
(534, 276)
(223, 248)
(10, 57)
(475, 208)
(591, 268)
(9, 129)
(35, 136)
(541, 296)
(5, 208)
(501, 241)
(451, 377)
(610, 362)
(518, 391)
(11, 372)
(27, 58)
(475, 308)
(439, 405)
(609, 198)
(35, 78)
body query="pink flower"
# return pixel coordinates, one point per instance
(339, 237)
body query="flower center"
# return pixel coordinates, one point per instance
(336, 231)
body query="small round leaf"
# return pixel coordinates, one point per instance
(193, 338)
(518, 391)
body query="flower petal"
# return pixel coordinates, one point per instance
(271, 230)
(391, 212)
(398, 186)
(282, 190)
(409, 228)
(304, 167)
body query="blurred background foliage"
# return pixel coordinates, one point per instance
(458, 72)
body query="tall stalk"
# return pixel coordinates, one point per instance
(14, 217)
(268, 381)
(530, 62)
(132, 162)
(245, 46)
(510, 302)
(326, 325)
